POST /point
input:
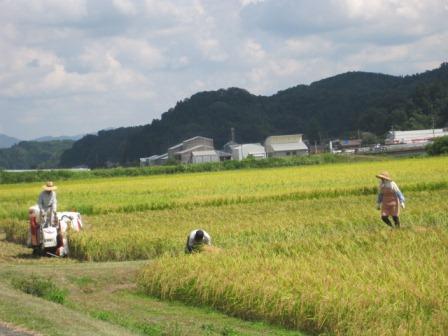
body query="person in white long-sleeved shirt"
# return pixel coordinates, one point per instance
(196, 239)
(48, 203)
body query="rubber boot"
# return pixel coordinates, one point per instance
(386, 220)
(396, 221)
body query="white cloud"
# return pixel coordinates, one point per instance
(397, 9)
(254, 51)
(126, 7)
(212, 50)
(59, 80)
(124, 62)
(309, 46)
(173, 12)
(97, 59)
(137, 52)
(199, 8)
(249, 2)
(378, 54)
(388, 20)
(42, 11)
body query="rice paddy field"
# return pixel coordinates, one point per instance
(300, 247)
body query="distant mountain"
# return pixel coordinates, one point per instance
(343, 105)
(59, 138)
(33, 154)
(7, 141)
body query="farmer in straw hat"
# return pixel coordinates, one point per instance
(197, 240)
(47, 203)
(389, 200)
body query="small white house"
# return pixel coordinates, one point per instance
(285, 145)
(243, 151)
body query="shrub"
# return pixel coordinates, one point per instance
(438, 147)
(40, 287)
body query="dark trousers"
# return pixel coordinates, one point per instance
(388, 222)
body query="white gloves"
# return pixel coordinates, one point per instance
(402, 205)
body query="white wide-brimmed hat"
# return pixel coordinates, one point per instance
(384, 176)
(49, 186)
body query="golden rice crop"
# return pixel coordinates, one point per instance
(132, 194)
(301, 247)
(328, 266)
(154, 233)
(383, 283)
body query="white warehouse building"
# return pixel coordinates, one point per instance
(417, 136)
(241, 152)
(285, 145)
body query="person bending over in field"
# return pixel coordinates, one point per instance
(197, 240)
(389, 200)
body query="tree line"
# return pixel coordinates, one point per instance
(342, 106)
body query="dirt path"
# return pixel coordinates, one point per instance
(9, 330)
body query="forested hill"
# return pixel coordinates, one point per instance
(333, 107)
(7, 141)
(33, 154)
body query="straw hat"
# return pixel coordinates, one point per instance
(384, 176)
(49, 186)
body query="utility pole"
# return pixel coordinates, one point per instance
(433, 124)
(393, 134)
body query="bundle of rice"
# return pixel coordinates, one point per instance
(209, 249)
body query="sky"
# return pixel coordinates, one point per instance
(70, 67)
